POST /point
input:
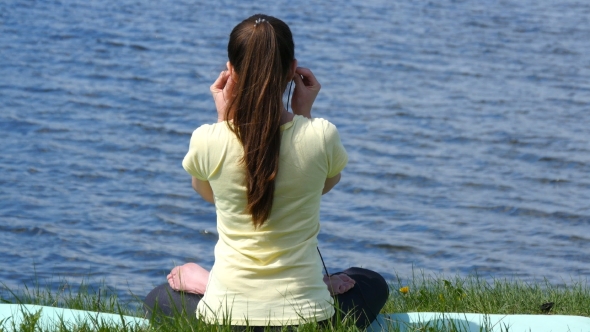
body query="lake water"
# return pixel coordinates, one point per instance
(467, 126)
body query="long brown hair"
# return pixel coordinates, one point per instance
(261, 51)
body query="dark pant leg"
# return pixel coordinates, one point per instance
(167, 301)
(365, 300)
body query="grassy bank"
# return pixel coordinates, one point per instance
(421, 293)
(499, 296)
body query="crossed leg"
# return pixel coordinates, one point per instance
(363, 299)
(192, 278)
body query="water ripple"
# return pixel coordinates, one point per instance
(465, 123)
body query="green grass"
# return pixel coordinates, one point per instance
(499, 296)
(424, 293)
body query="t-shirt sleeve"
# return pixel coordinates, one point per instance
(194, 161)
(337, 156)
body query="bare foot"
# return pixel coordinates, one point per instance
(339, 283)
(190, 278)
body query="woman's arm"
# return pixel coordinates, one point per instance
(204, 189)
(330, 183)
(307, 88)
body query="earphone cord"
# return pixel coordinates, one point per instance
(322, 258)
(288, 102)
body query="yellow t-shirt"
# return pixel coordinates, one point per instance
(271, 275)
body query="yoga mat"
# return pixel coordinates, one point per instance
(12, 315)
(470, 322)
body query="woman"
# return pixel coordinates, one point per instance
(265, 170)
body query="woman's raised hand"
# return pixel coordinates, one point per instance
(307, 88)
(222, 91)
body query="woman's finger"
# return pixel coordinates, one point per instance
(229, 85)
(303, 71)
(297, 78)
(308, 78)
(220, 82)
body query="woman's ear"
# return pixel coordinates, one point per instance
(293, 68)
(232, 72)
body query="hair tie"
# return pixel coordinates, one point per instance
(258, 21)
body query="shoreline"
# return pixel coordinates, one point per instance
(421, 293)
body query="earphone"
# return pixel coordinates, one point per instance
(289, 95)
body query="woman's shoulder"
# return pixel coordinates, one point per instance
(211, 135)
(316, 123)
(209, 128)
(315, 130)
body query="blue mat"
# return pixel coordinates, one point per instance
(12, 315)
(469, 322)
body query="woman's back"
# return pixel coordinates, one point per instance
(271, 274)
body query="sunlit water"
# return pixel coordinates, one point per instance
(467, 127)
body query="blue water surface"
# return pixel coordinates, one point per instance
(466, 123)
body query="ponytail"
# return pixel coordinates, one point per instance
(261, 51)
